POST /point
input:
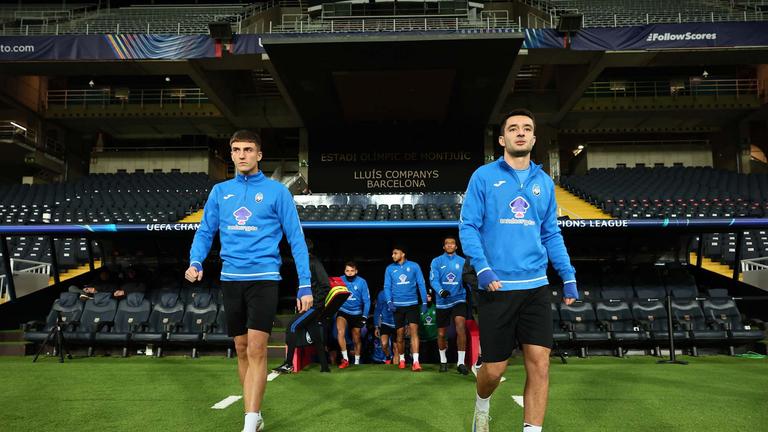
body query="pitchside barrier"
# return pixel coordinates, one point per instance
(670, 227)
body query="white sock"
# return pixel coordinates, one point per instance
(402, 357)
(345, 355)
(461, 358)
(251, 420)
(531, 428)
(443, 357)
(415, 357)
(357, 359)
(483, 404)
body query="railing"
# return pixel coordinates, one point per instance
(691, 87)
(754, 264)
(36, 267)
(125, 96)
(395, 24)
(14, 132)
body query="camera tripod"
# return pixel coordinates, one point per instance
(56, 339)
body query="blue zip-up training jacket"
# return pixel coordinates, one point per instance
(251, 213)
(381, 313)
(511, 227)
(401, 283)
(445, 274)
(359, 302)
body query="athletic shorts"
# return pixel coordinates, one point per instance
(512, 318)
(249, 305)
(355, 321)
(445, 317)
(387, 330)
(406, 315)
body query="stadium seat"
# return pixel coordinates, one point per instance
(580, 319)
(722, 311)
(617, 318)
(67, 307)
(218, 334)
(688, 316)
(199, 317)
(98, 316)
(132, 313)
(165, 318)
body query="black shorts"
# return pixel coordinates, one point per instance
(512, 318)
(406, 315)
(355, 321)
(387, 330)
(446, 317)
(249, 305)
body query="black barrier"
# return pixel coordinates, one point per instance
(676, 225)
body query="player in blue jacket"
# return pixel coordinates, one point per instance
(451, 302)
(508, 229)
(384, 322)
(354, 312)
(251, 213)
(406, 291)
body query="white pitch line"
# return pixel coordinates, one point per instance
(518, 400)
(227, 401)
(272, 376)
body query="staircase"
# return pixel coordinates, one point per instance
(574, 207)
(12, 343)
(714, 266)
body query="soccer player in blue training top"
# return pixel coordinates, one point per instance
(384, 322)
(508, 229)
(354, 312)
(451, 302)
(251, 213)
(402, 280)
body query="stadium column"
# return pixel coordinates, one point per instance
(546, 151)
(490, 141)
(744, 147)
(304, 153)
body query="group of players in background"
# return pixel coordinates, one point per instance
(508, 229)
(400, 305)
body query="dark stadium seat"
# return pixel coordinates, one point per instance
(165, 318)
(218, 334)
(560, 334)
(98, 316)
(722, 312)
(67, 307)
(689, 317)
(651, 316)
(199, 317)
(580, 319)
(617, 318)
(132, 313)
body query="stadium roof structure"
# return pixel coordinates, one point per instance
(461, 77)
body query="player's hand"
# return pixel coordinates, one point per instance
(304, 299)
(376, 332)
(444, 293)
(193, 274)
(487, 280)
(423, 308)
(363, 320)
(390, 306)
(570, 293)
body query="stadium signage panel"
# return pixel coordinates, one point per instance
(106, 47)
(173, 227)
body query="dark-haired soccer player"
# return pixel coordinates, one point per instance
(251, 213)
(508, 229)
(405, 289)
(450, 301)
(354, 312)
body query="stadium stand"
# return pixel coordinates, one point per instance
(609, 13)
(671, 192)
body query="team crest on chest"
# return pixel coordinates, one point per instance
(259, 197)
(536, 189)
